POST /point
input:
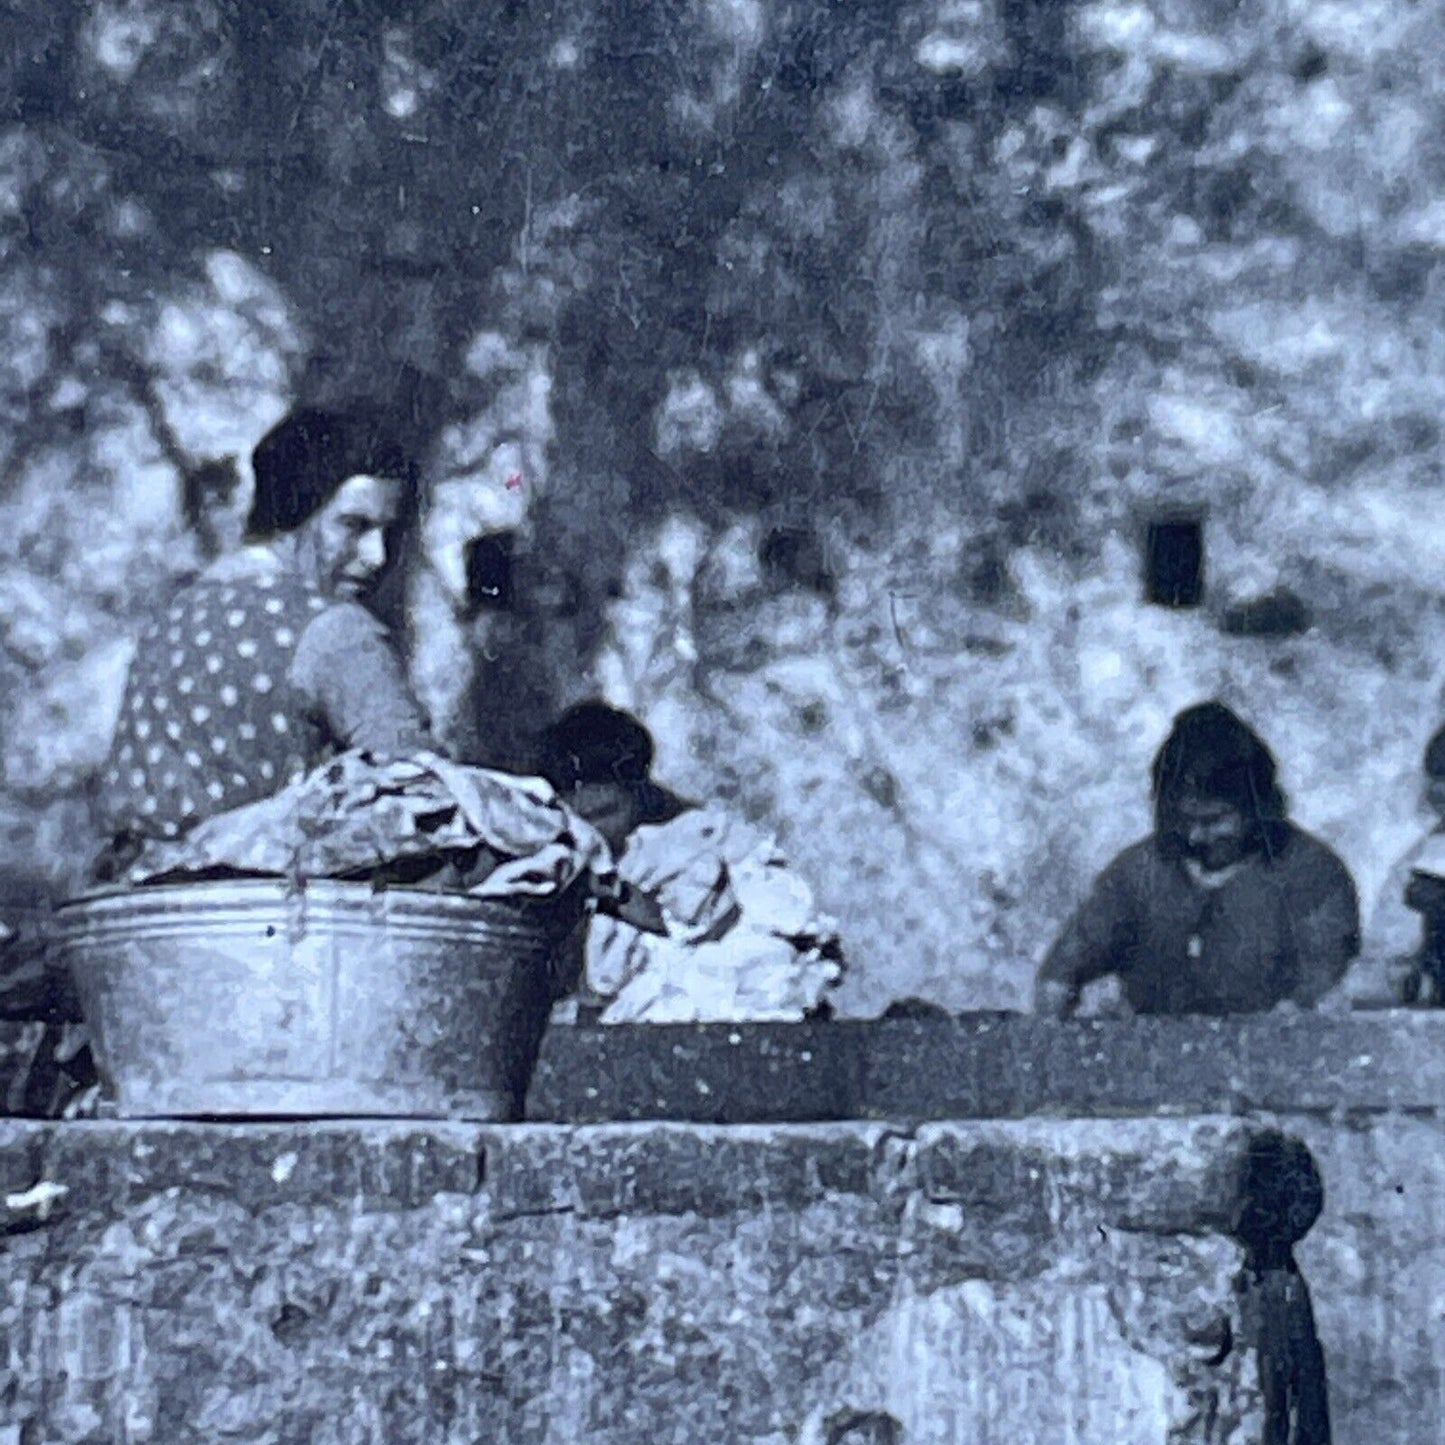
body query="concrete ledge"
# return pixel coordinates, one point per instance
(992, 1066)
(1060, 1265)
(343, 1284)
(1128, 1174)
(983, 1066)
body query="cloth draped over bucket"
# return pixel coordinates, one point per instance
(420, 819)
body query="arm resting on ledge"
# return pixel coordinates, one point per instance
(1089, 946)
(1055, 1000)
(637, 907)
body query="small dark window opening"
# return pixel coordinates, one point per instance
(794, 557)
(1174, 562)
(490, 585)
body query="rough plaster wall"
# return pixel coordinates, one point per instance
(1374, 1265)
(950, 778)
(359, 1283)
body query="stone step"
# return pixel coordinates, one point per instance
(994, 1066)
(991, 1066)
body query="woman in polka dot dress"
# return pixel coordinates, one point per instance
(270, 661)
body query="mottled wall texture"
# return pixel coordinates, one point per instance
(342, 1284)
(1011, 1232)
(980, 1284)
(824, 363)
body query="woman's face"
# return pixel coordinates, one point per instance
(1213, 831)
(343, 547)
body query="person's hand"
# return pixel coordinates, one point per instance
(1054, 1000)
(1114, 1007)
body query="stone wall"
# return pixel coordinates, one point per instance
(995, 1066)
(993, 1230)
(990, 1283)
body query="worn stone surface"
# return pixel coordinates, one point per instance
(991, 1066)
(984, 1066)
(333, 1283)
(1376, 1269)
(554, 1282)
(704, 1072)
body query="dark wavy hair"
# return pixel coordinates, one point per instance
(1211, 752)
(302, 461)
(594, 742)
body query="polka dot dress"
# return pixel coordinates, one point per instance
(209, 721)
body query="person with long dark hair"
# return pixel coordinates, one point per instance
(1227, 907)
(271, 659)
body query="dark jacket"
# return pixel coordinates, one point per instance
(1284, 927)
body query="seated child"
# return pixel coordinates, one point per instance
(742, 940)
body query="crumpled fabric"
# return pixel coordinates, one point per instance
(356, 816)
(745, 940)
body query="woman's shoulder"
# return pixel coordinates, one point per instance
(257, 583)
(336, 626)
(1306, 856)
(1137, 864)
(341, 640)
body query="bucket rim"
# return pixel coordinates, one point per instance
(282, 890)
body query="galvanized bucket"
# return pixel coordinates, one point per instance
(246, 998)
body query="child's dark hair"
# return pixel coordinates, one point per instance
(594, 742)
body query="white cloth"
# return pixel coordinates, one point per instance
(745, 941)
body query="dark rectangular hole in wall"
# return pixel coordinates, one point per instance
(1174, 562)
(489, 573)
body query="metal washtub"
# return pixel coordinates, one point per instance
(246, 998)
